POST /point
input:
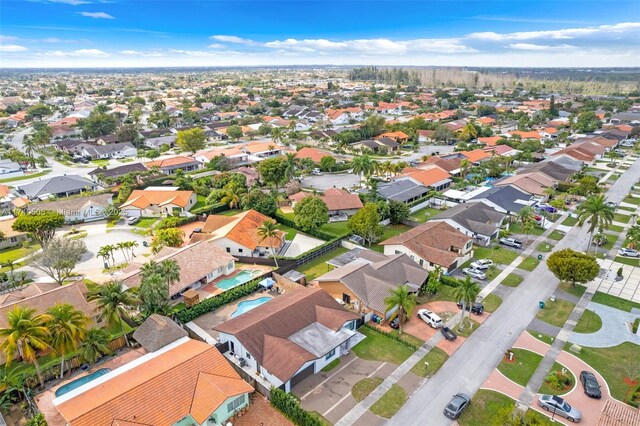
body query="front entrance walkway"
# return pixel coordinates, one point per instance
(614, 330)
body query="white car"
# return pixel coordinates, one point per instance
(132, 220)
(430, 318)
(474, 273)
(482, 264)
(628, 252)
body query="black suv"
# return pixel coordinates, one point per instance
(476, 308)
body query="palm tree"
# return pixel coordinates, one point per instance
(467, 293)
(232, 194)
(11, 383)
(403, 301)
(268, 231)
(290, 161)
(277, 134)
(465, 166)
(105, 253)
(148, 269)
(26, 332)
(68, 328)
(170, 271)
(30, 144)
(526, 217)
(362, 165)
(596, 213)
(94, 345)
(113, 302)
(131, 245)
(633, 234)
(122, 246)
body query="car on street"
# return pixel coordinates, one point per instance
(482, 264)
(611, 204)
(316, 172)
(475, 308)
(448, 333)
(430, 318)
(590, 384)
(560, 407)
(474, 273)
(546, 208)
(628, 252)
(511, 242)
(133, 220)
(457, 405)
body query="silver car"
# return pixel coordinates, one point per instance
(560, 407)
(628, 252)
(474, 273)
(482, 264)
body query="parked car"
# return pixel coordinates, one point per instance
(560, 407)
(133, 220)
(546, 207)
(457, 405)
(590, 384)
(357, 239)
(475, 308)
(474, 273)
(482, 264)
(395, 323)
(316, 172)
(430, 318)
(611, 204)
(628, 252)
(448, 333)
(511, 242)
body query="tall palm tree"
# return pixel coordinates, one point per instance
(26, 332)
(233, 194)
(30, 144)
(170, 271)
(94, 345)
(403, 301)
(362, 165)
(122, 246)
(131, 245)
(113, 302)
(148, 269)
(268, 231)
(465, 166)
(290, 161)
(596, 213)
(526, 217)
(466, 292)
(105, 253)
(68, 328)
(277, 134)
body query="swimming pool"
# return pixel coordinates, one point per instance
(240, 278)
(247, 305)
(81, 381)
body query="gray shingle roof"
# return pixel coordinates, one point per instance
(505, 197)
(56, 185)
(476, 217)
(402, 190)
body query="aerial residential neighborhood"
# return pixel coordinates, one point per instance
(301, 218)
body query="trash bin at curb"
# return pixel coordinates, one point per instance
(541, 304)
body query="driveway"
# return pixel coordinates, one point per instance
(614, 330)
(326, 181)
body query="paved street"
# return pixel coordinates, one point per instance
(469, 367)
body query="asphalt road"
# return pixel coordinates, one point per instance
(470, 365)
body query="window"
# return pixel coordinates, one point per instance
(330, 354)
(248, 355)
(228, 250)
(421, 262)
(13, 239)
(235, 404)
(398, 252)
(230, 265)
(239, 250)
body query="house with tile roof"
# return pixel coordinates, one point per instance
(171, 165)
(430, 176)
(477, 220)
(432, 244)
(506, 199)
(341, 204)
(58, 186)
(158, 201)
(186, 382)
(364, 283)
(77, 209)
(532, 182)
(11, 238)
(101, 174)
(314, 154)
(291, 337)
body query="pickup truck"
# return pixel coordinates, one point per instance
(448, 333)
(511, 242)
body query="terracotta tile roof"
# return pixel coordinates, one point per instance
(498, 149)
(4, 190)
(143, 198)
(475, 155)
(533, 183)
(227, 152)
(432, 241)
(264, 331)
(192, 378)
(525, 135)
(313, 153)
(616, 414)
(486, 120)
(241, 228)
(396, 136)
(448, 164)
(334, 198)
(6, 228)
(258, 147)
(490, 141)
(427, 177)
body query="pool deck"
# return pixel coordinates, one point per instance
(45, 399)
(212, 289)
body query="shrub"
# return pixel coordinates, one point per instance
(449, 281)
(213, 303)
(558, 380)
(290, 407)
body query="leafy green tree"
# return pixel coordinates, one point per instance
(232, 195)
(366, 223)
(403, 301)
(398, 211)
(170, 237)
(191, 140)
(98, 124)
(443, 134)
(261, 202)
(154, 295)
(127, 133)
(433, 282)
(362, 165)
(59, 257)
(328, 163)
(469, 132)
(273, 171)
(39, 110)
(596, 213)
(466, 292)
(41, 225)
(587, 185)
(572, 266)
(310, 213)
(114, 303)
(587, 122)
(94, 345)
(67, 327)
(223, 179)
(26, 332)
(269, 231)
(234, 132)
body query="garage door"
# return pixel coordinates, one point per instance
(302, 375)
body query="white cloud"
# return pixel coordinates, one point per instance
(539, 47)
(86, 53)
(140, 53)
(569, 33)
(70, 2)
(12, 48)
(233, 39)
(216, 46)
(5, 38)
(96, 15)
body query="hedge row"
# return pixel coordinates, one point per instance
(449, 281)
(395, 337)
(288, 405)
(213, 303)
(313, 232)
(212, 209)
(175, 221)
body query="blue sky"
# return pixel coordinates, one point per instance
(88, 33)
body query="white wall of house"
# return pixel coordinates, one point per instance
(232, 247)
(467, 253)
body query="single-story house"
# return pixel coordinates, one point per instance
(10, 169)
(101, 174)
(234, 156)
(169, 166)
(160, 141)
(431, 176)
(77, 209)
(432, 244)
(476, 220)
(341, 204)
(506, 199)
(535, 183)
(58, 186)
(158, 201)
(404, 191)
(292, 336)
(11, 238)
(314, 154)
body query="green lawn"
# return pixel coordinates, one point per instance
(611, 363)
(498, 255)
(291, 233)
(512, 280)
(99, 163)
(577, 290)
(627, 260)
(430, 363)
(614, 302)
(570, 221)
(390, 403)
(544, 247)
(424, 214)
(318, 266)
(556, 235)
(336, 228)
(484, 408)
(201, 202)
(378, 347)
(15, 253)
(529, 263)
(522, 367)
(556, 313)
(333, 364)
(542, 337)
(632, 200)
(364, 387)
(491, 302)
(231, 212)
(516, 228)
(445, 293)
(619, 217)
(589, 322)
(412, 340)
(469, 327)
(546, 388)
(615, 228)
(31, 176)
(146, 222)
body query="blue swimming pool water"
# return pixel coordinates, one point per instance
(247, 305)
(81, 381)
(240, 278)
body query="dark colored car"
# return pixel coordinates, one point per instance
(448, 333)
(395, 323)
(476, 308)
(457, 405)
(590, 384)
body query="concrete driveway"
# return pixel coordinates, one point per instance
(326, 181)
